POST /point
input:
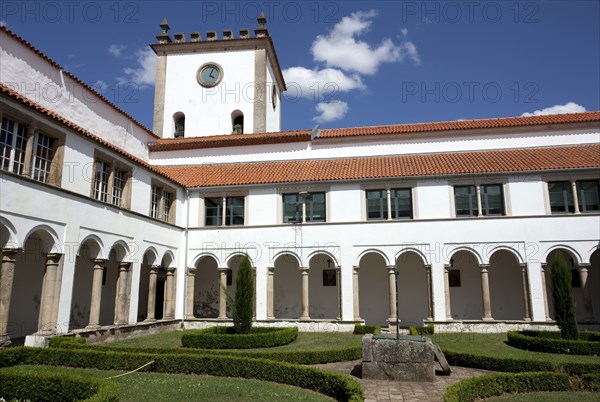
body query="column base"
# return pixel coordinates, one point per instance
(306, 318)
(4, 341)
(222, 318)
(448, 318)
(487, 319)
(526, 319)
(150, 320)
(93, 327)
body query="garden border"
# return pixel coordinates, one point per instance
(220, 338)
(544, 341)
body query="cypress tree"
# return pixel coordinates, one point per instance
(244, 298)
(562, 294)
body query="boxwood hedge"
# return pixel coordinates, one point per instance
(223, 338)
(331, 384)
(497, 384)
(550, 342)
(360, 329)
(18, 383)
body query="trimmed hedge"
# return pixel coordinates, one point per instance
(328, 383)
(60, 341)
(224, 338)
(426, 330)
(591, 382)
(497, 384)
(496, 363)
(22, 384)
(360, 329)
(551, 342)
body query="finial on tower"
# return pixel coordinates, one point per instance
(261, 30)
(164, 25)
(261, 19)
(164, 37)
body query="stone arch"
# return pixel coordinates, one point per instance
(570, 250)
(198, 258)
(373, 287)
(287, 285)
(206, 286)
(8, 234)
(237, 122)
(91, 247)
(168, 259)
(236, 255)
(334, 261)
(120, 250)
(374, 251)
(469, 250)
(413, 291)
(151, 256)
(573, 259)
(324, 286)
(287, 254)
(518, 257)
(464, 277)
(506, 278)
(48, 237)
(178, 125)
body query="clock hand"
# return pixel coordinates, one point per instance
(211, 73)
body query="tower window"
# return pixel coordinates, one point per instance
(179, 122)
(237, 122)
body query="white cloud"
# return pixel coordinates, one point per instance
(143, 75)
(341, 49)
(116, 50)
(570, 107)
(330, 111)
(2, 23)
(319, 84)
(100, 86)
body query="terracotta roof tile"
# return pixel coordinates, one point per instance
(74, 78)
(456, 163)
(60, 119)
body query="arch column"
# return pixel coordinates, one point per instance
(545, 291)
(169, 312)
(588, 312)
(338, 284)
(392, 292)
(525, 283)
(152, 279)
(447, 292)
(356, 296)
(9, 258)
(270, 285)
(96, 297)
(189, 291)
(121, 297)
(222, 293)
(485, 293)
(49, 297)
(429, 293)
(305, 312)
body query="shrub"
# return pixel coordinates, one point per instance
(244, 295)
(22, 384)
(426, 330)
(366, 329)
(562, 294)
(550, 342)
(496, 363)
(222, 338)
(591, 382)
(58, 341)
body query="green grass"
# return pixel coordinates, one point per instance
(305, 341)
(494, 345)
(549, 397)
(158, 387)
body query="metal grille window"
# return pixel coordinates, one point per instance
(377, 206)
(235, 211)
(492, 200)
(119, 180)
(401, 200)
(465, 200)
(13, 141)
(588, 195)
(213, 208)
(42, 157)
(101, 181)
(155, 202)
(561, 197)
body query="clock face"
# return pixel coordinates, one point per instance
(209, 74)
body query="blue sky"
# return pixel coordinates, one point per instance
(373, 62)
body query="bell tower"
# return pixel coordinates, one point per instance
(216, 85)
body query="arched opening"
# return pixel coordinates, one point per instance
(110, 276)
(506, 286)
(206, 288)
(165, 292)
(323, 287)
(579, 296)
(593, 286)
(412, 289)
(373, 289)
(89, 251)
(464, 280)
(179, 125)
(237, 122)
(287, 287)
(148, 274)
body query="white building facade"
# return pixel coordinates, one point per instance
(106, 226)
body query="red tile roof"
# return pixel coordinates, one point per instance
(74, 78)
(170, 144)
(4, 90)
(439, 164)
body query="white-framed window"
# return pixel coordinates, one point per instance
(110, 181)
(304, 207)
(118, 188)
(101, 174)
(13, 143)
(224, 211)
(42, 157)
(155, 202)
(479, 200)
(383, 204)
(162, 203)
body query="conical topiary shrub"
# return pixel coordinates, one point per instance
(562, 294)
(243, 308)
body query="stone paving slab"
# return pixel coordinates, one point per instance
(384, 391)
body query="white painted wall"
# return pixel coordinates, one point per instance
(273, 114)
(432, 199)
(526, 195)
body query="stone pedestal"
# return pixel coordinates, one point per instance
(405, 359)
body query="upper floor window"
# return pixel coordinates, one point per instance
(562, 199)
(162, 204)
(588, 194)
(110, 183)
(101, 181)
(304, 207)
(486, 200)
(233, 207)
(42, 157)
(13, 142)
(398, 199)
(401, 201)
(377, 206)
(237, 122)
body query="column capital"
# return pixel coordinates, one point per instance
(10, 253)
(53, 258)
(192, 271)
(124, 266)
(99, 262)
(304, 269)
(171, 270)
(270, 270)
(584, 265)
(523, 265)
(154, 269)
(484, 267)
(391, 267)
(355, 268)
(222, 269)
(427, 266)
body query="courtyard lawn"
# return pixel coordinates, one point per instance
(158, 387)
(494, 345)
(305, 341)
(548, 397)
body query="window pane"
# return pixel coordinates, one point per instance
(101, 181)
(588, 195)
(492, 200)
(465, 200)
(235, 211)
(315, 207)
(292, 208)
(42, 157)
(155, 202)
(119, 179)
(6, 143)
(377, 204)
(401, 203)
(213, 211)
(167, 200)
(19, 153)
(561, 197)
